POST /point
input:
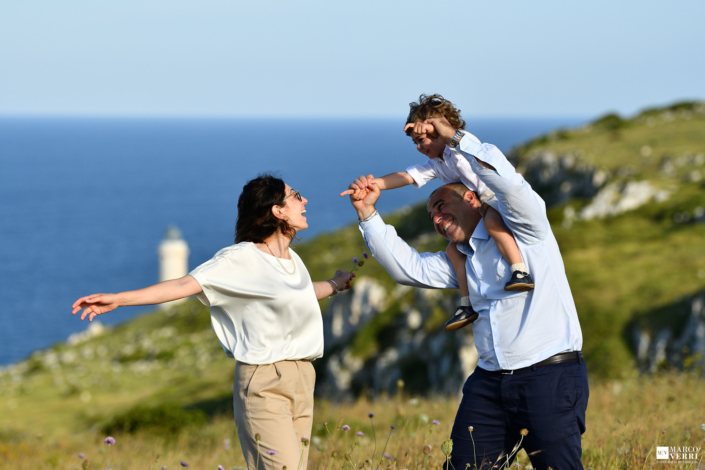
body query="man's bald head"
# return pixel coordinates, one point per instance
(457, 188)
(454, 211)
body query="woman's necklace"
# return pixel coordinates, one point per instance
(279, 261)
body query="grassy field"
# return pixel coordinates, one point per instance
(626, 420)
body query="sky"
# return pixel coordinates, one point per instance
(283, 58)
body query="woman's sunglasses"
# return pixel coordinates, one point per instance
(296, 194)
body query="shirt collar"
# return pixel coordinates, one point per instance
(480, 233)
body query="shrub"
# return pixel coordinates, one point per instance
(168, 419)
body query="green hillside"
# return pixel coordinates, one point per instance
(633, 268)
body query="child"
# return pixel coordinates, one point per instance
(443, 165)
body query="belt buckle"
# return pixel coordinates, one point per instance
(507, 372)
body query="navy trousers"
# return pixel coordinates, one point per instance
(549, 402)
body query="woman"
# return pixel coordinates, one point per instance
(265, 313)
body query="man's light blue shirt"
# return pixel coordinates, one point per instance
(514, 329)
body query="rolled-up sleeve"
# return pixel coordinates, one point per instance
(422, 174)
(522, 209)
(403, 263)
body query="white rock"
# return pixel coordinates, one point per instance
(94, 329)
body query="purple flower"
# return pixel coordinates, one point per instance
(272, 452)
(387, 456)
(370, 415)
(184, 464)
(81, 455)
(392, 426)
(360, 433)
(325, 424)
(365, 255)
(220, 467)
(345, 427)
(436, 422)
(355, 259)
(110, 441)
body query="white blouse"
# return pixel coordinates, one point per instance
(260, 313)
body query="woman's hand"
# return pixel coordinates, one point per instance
(325, 289)
(96, 304)
(343, 279)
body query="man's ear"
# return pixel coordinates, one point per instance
(470, 198)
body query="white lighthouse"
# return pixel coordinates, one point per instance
(173, 259)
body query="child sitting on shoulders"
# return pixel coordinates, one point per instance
(448, 165)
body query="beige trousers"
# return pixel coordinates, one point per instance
(274, 401)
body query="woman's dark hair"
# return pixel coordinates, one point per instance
(255, 220)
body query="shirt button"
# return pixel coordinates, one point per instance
(480, 278)
(494, 322)
(484, 296)
(496, 345)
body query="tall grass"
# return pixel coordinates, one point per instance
(626, 420)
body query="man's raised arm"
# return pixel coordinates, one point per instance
(522, 209)
(403, 263)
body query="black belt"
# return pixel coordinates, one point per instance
(572, 356)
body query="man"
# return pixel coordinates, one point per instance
(530, 374)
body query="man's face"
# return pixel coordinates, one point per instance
(454, 216)
(427, 146)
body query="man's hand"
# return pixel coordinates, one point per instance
(364, 193)
(437, 129)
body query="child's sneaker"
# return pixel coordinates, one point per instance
(463, 317)
(520, 282)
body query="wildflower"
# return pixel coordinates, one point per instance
(81, 455)
(304, 440)
(110, 441)
(470, 428)
(436, 422)
(370, 415)
(365, 255)
(325, 424)
(355, 259)
(427, 449)
(334, 454)
(220, 467)
(348, 457)
(524, 432)
(360, 433)
(258, 437)
(184, 464)
(447, 447)
(272, 452)
(387, 456)
(345, 427)
(392, 427)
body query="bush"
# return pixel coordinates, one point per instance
(167, 419)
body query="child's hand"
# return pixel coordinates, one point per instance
(356, 191)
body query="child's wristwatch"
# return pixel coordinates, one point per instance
(456, 138)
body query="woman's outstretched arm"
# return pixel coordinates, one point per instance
(342, 280)
(97, 304)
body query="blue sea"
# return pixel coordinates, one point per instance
(85, 202)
